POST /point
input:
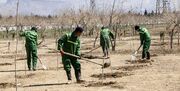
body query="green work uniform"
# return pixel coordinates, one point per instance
(31, 47)
(145, 38)
(70, 44)
(105, 35)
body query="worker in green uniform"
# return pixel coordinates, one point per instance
(105, 35)
(31, 47)
(145, 39)
(70, 43)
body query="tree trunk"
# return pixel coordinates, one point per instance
(96, 39)
(112, 12)
(171, 41)
(178, 37)
(172, 34)
(115, 37)
(55, 33)
(7, 32)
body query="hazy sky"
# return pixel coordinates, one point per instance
(46, 7)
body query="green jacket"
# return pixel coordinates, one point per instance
(31, 38)
(105, 34)
(144, 35)
(69, 43)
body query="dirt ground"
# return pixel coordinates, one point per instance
(162, 73)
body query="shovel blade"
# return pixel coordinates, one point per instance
(106, 65)
(133, 58)
(44, 67)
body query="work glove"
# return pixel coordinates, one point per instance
(62, 52)
(79, 57)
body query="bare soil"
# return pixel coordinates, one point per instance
(161, 73)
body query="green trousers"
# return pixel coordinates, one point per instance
(31, 57)
(68, 61)
(146, 47)
(105, 43)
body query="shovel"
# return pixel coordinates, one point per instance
(92, 50)
(43, 66)
(133, 57)
(105, 65)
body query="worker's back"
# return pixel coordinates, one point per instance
(104, 33)
(31, 38)
(144, 34)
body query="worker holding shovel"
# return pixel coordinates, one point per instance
(145, 39)
(70, 43)
(105, 35)
(31, 47)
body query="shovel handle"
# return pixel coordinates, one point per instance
(44, 67)
(139, 48)
(69, 54)
(92, 50)
(39, 60)
(81, 58)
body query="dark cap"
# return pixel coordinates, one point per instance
(137, 27)
(79, 29)
(34, 29)
(102, 27)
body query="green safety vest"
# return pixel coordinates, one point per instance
(69, 44)
(144, 35)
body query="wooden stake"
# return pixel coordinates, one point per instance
(57, 54)
(17, 9)
(9, 43)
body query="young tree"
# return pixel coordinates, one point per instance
(1, 16)
(49, 16)
(152, 13)
(145, 13)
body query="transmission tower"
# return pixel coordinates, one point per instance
(158, 6)
(92, 5)
(163, 6)
(166, 6)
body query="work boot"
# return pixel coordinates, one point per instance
(104, 55)
(143, 60)
(29, 69)
(69, 82)
(68, 73)
(34, 69)
(78, 76)
(148, 56)
(143, 55)
(107, 57)
(107, 53)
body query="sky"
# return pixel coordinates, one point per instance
(53, 7)
(177, 4)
